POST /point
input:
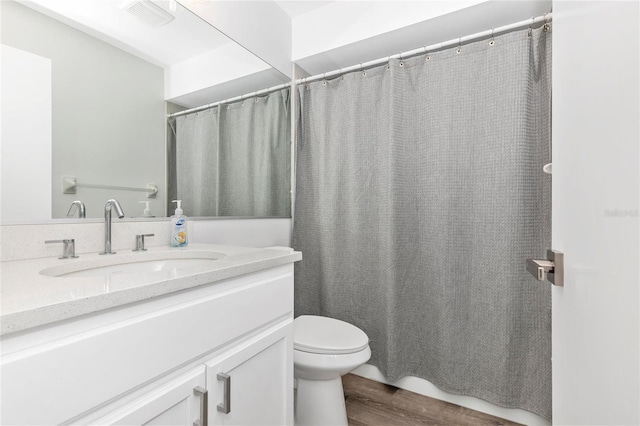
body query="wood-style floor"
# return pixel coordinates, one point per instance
(371, 403)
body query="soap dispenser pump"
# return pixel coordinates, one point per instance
(178, 227)
(147, 210)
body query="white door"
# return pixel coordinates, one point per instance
(595, 212)
(260, 374)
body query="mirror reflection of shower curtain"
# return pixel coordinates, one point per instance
(233, 159)
(419, 195)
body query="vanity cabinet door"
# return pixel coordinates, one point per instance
(178, 402)
(259, 390)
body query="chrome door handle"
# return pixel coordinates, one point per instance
(539, 268)
(204, 406)
(551, 268)
(225, 407)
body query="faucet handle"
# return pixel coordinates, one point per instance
(68, 248)
(140, 242)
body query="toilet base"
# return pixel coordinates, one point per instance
(320, 402)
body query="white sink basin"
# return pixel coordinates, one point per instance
(143, 267)
(175, 264)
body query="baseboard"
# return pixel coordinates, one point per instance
(424, 387)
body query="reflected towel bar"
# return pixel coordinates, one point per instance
(70, 183)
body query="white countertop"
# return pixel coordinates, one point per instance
(30, 299)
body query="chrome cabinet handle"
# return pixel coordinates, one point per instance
(68, 248)
(225, 407)
(204, 406)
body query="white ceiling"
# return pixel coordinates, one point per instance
(183, 38)
(295, 8)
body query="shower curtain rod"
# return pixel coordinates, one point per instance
(230, 100)
(546, 18)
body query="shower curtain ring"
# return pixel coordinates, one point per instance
(459, 45)
(531, 27)
(546, 27)
(492, 42)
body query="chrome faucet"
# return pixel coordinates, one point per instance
(107, 223)
(77, 205)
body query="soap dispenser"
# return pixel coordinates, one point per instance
(178, 227)
(147, 210)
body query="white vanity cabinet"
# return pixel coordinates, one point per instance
(140, 363)
(249, 384)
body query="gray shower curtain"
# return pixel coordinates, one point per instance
(233, 159)
(420, 194)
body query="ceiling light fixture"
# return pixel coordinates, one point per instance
(148, 12)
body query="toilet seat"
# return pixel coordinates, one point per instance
(327, 336)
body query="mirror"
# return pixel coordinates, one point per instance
(86, 89)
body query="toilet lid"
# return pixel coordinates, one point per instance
(323, 335)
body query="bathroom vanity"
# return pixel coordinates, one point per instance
(156, 341)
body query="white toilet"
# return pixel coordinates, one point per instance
(324, 350)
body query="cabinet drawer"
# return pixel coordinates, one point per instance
(57, 381)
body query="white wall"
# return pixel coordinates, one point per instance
(25, 142)
(342, 34)
(192, 82)
(225, 63)
(596, 315)
(341, 23)
(108, 114)
(261, 26)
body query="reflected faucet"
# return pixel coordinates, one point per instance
(77, 205)
(107, 223)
